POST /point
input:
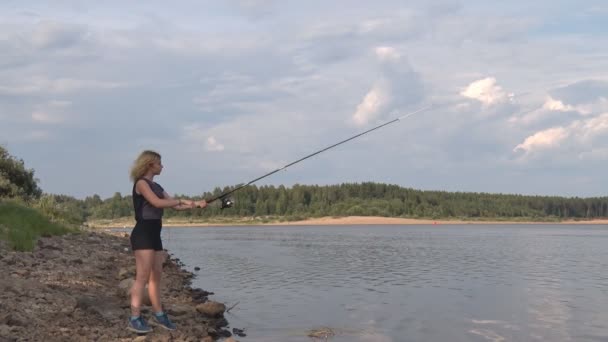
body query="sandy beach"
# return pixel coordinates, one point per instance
(372, 220)
(349, 220)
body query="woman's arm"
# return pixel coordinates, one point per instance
(201, 204)
(184, 204)
(144, 189)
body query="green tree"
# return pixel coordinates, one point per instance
(16, 181)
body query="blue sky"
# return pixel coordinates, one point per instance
(229, 90)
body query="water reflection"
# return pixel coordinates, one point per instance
(405, 283)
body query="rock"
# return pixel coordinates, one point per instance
(200, 296)
(125, 285)
(10, 260)
(180, 310)
(125, 273)
(68, 289)
(230, 339)
(211, 309)
(221, 322)
(5, 333)
(12, 319)
(239, 332)
(76, 261)
(197, 268)
(105, 307)
(321, 333)
(139, 339)
(22, 273)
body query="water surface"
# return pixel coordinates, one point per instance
(405, 283)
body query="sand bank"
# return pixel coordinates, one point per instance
(349, 220)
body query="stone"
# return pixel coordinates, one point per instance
(211, 308)
(67, 290)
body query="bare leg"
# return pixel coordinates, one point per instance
(144, 262)
(154, 281)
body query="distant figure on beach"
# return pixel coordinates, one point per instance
(149, 200)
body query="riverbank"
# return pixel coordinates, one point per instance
(349, 220)
(75, 287)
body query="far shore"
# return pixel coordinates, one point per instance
(323, 221)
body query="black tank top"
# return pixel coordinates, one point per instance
(143, 209)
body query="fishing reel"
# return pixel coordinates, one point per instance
(226, 203)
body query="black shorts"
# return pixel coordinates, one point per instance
(146, 235)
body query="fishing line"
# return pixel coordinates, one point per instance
(227, 203)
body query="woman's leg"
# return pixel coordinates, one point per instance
(154, 280)
(144, 262)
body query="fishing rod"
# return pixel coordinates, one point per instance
(227, 202)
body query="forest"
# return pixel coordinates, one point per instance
(305, 201)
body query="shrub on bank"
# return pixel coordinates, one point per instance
(21, 226)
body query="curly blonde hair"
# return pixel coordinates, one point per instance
(142, 164)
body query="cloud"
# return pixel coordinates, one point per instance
(374, 102)
(59, 85)
(486, 91)
(55, 35)
(544, 139)
(285, 84)
(213, 145)
(552, 112)
(397, 87)
(565, 104)
(51, 113)
(349, 38)
(580, 137)
(582, 92)
(196, 134)
(556, 105)
(387, 54)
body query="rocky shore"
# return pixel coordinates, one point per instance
(75, 288)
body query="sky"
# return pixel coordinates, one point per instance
(227, 91)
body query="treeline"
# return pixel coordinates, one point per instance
(303, 201)
(359, 199)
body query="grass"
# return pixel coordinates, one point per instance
(21, 226)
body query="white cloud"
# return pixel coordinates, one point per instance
(397, 87)
(374, 102)
(486, 91)
(200, 136)
(301, 72)
(591, 128)
(552, 104)
(387, 53)
(213, 145)
(541, 140)
(581, 136)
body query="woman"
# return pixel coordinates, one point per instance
(149, 200)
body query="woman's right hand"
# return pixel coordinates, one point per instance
(187, 203)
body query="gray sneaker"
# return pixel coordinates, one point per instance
(139, 326)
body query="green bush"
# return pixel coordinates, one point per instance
(21, 226)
